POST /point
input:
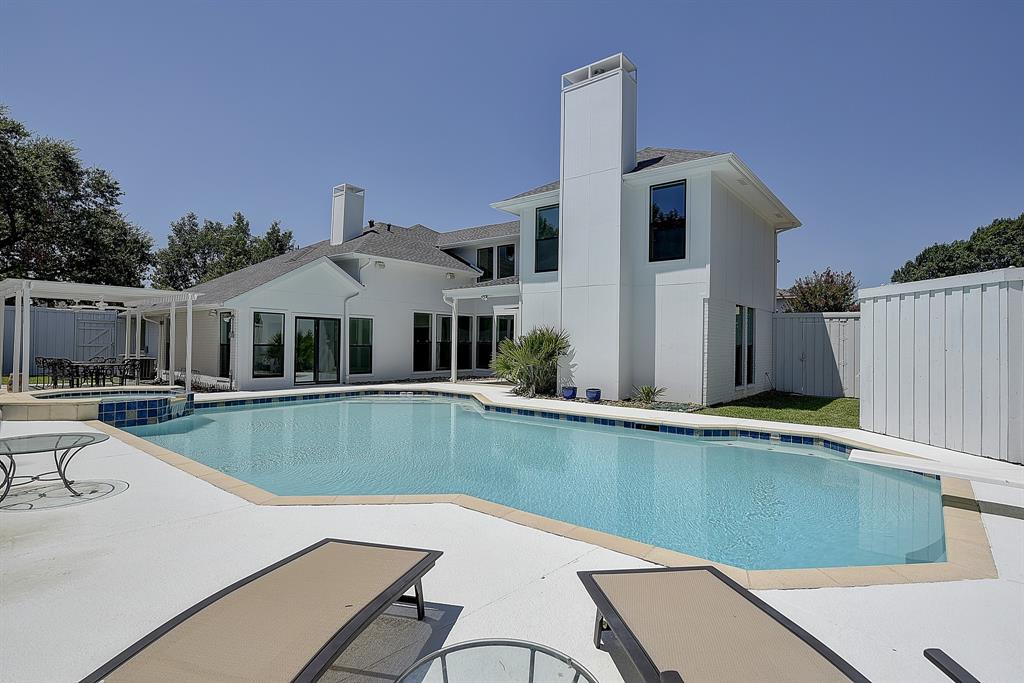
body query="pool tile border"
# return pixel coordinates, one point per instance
(969, 555)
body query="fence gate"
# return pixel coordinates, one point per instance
(817, 354)
(95, 335)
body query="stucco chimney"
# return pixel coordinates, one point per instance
(346, 213)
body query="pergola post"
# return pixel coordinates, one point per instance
(3, 318)
(26, 312)
(127, 333)
(455, 340)
(138, 334)
(16, 351)
(188, 344)
(171, 369)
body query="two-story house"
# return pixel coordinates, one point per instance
(659, 262)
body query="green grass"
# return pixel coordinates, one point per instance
(779, 407)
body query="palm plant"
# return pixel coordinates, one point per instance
(531, 361)
(647, 393)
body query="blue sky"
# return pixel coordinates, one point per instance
(884, 127)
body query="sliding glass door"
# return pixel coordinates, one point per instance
(317, 350)
(444, 342)
(484, 339)
(464, 350)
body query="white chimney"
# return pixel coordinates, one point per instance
(346, 213)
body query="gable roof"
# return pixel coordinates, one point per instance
(481, 232)
(417, 244)
(646, 158)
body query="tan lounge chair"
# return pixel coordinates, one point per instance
(287, 622)
(697, 625)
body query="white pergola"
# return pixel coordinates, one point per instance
(477, 291)
(136, 301)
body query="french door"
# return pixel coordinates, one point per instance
(317, 350)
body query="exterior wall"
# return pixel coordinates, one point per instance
(817, 354)
(942, 362)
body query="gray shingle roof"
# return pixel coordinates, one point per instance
(481, 232)
(513, 280)
(646, 158)
(416, 244)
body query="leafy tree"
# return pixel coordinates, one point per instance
(531, 361)
(197, 253)
(60, 219)
(999, 244)
(828, 291)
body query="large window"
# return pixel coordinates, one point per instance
(317, 350)
(444, 342)
(744, 358)
(484, 339)
(360, 346)
(545, 255)
(668, 222)
(506, 260)
(506, 329)
(268, 345)
(464, 343)
(421, 342)
(225, 345)
(485, 262)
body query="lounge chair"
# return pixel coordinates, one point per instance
(695, 624)
(287, 622)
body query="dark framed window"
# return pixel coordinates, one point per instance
(506, 260)
(668, 222)
(225, 345)
(738, 369)
(464, 343)
(484, 339)
(422, 344)
(545, 254)
(506, 328)
(317, 350)
(750, 345)
(268, 344)
(360, 346)
(485, 262)
(745, 333)
(444, 342)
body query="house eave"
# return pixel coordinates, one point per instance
(510, 205)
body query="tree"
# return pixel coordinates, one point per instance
(829, 291)
(999, 244)
(197, 253)
(59, 219)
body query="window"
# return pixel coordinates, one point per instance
(545, 256)
(317, 350)
(668, 222)
(485, 262)
(464, 344)
(506, 260)
(506, 328)
(360, 346)
(744, 360)
(225, 345)
(484, 329)
(421, 342)
(444, 342)
(268, 345)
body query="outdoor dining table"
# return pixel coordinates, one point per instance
(63, 446)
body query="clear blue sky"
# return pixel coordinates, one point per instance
(884, 127)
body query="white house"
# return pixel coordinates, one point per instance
(659, 262)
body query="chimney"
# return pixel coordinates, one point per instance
(346, 213)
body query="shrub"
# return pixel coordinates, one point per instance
(830, 291)
(647, 393)
(531, 361)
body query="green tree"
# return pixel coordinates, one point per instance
(1000, 244)
(828, 291)
(198, 253)
(60, 219)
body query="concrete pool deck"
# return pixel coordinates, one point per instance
(78, 584)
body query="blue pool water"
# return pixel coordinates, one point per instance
(751, 504)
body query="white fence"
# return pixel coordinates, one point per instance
(817, 353)
(942, 362)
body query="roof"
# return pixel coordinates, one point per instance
(512, 280)
(417, 244)
(646, 158)
(481, 232)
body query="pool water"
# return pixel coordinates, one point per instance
(758, 505)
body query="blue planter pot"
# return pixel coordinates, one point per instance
(569, 393)
(593, 395)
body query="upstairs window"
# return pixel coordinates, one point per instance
(506, 260)
(668, 222)
(485, 262)
(546, 243)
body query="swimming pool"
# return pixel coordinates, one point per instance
(753, 504)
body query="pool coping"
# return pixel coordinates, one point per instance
(968, 552)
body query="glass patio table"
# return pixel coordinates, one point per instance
(63, 446)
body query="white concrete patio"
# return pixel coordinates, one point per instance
(79, 584)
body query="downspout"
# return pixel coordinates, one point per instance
(344, 330)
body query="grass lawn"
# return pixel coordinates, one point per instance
(780, 407)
